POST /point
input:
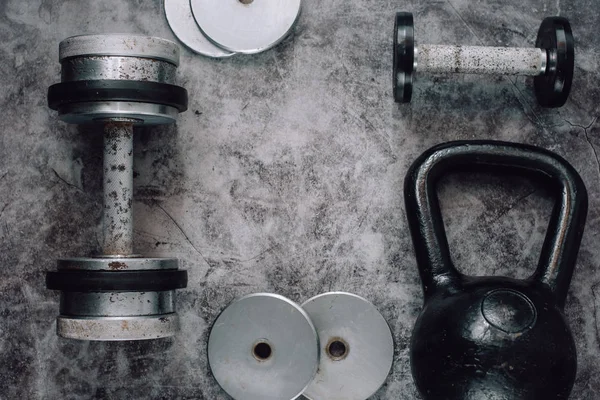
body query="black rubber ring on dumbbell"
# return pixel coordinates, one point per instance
(117, 90)
(116, 281)
(403, 57)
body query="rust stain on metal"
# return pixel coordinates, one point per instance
(117, 266)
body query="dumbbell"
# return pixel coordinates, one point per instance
(119, 81)
(551, 62)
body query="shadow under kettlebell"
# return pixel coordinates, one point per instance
(494, 338)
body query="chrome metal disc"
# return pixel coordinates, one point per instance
(126, 45)
(357, 348)
(94, 111)
(246, 26)
(91, 68)
(182, 23)
(117, 328)
(263, 347)
(109, 263)
(117, 304)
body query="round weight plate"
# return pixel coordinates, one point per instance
(94, 111)
(116, 304)
(117, 328)
(71, 92)
(246, 26)
(119, 45)
(404, 57)
(357, 348)
(116, 263)
(117, 67)
(263, 347)
(117, 281)
(182, 23)
(552, 89)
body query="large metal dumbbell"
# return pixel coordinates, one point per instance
(551, 61)
(119, 81)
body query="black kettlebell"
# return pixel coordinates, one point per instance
(493, 338)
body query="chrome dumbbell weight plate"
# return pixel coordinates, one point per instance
(246, 26)
(551, 62)
(120, 45)
(263, 347)
(182, 23)
(356, 345)
(117, 328)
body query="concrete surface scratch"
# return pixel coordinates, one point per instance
(587, 138)
(180, 229)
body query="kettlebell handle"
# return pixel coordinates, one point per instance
(561, 245)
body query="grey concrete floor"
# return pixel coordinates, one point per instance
(285, 176)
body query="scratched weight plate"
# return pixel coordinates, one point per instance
(246, 26)
(356, 345)
(263, 347)
(182, 23)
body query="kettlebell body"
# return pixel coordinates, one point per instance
(494, 338)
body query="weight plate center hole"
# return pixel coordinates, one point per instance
(337, 349)
(262, 351)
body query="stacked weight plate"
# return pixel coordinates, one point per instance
(217, 28)
(336, 346)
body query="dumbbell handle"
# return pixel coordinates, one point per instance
(480, 60)
(118, 188)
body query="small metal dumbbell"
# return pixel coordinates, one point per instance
(119, 81)
(551, 62)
